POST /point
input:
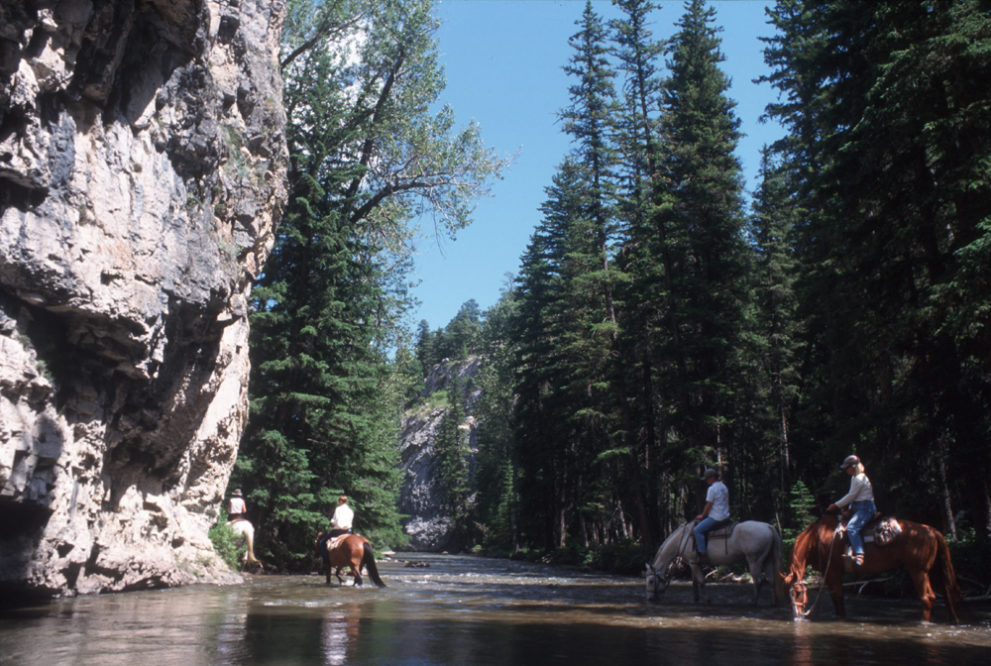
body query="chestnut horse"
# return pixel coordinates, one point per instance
(919, 548)
(349, 550)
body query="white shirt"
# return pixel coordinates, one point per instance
(860, 489)
(718, 494)
(343, 515)
(237, 506)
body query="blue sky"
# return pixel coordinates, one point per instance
(504, 61)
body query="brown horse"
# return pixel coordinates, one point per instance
(349, 550)
(920, 548)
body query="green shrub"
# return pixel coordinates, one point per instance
(229, 545)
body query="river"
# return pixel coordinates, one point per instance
(444, 609)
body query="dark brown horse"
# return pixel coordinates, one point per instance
(919, 548)
(349, 550)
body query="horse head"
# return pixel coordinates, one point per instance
(798, 591)
(656, 582)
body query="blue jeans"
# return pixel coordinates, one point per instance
(862, 512)
(701, 530)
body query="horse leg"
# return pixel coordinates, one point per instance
(698, 581)
(356, 572)
(249, 557)
(758, 577)
(925, 591)
(835, 584)
(338, 572)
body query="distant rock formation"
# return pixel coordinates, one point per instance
(429, 528)
(142, 172)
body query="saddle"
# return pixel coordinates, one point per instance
(880, 530)
(331, 543)
(722, 531)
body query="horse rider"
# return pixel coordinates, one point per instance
(716, 511)
(237, 509)
(861, 502)
(340, 523)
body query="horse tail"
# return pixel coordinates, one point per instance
(943, 568)
(368, 561)
(780, 594)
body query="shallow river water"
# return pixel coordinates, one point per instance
(443, 609)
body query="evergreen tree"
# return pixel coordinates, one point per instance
(497, 467)
(539, 328)
(638, 133)
(366, 156)
(452, 464)
(889, 130)
(773, 346)
(698, 215)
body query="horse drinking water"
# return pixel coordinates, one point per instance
(349, 550)
(919, 548)
(756, 542)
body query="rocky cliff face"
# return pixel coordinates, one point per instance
(429, 527)
(142, 166)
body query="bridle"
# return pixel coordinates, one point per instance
(800, 589)
(658, 582)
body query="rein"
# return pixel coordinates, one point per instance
(829, 560)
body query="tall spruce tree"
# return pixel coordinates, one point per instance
(540, 328)
(889, 128)
(591, 279)
(637, 131)
(367, 155)
(699, 218)
(773, 345)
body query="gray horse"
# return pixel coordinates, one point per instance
(758, 543)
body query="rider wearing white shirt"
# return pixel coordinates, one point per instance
(716, 510)
(860, 499)
(340, 523)
(237, 509)
(343, 517)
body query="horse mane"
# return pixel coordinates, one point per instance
(808, 548)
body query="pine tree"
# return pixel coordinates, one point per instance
(453, 465)
(773, 346)
(637, 134)
(698, 215)
(889, 129)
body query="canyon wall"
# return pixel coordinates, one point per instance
(428, 524)
(142, 173)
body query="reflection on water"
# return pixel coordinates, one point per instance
(463, 610)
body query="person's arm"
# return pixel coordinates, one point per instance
(705, 512)
(855, 485)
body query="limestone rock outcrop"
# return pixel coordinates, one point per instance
(142, 173)
(429, 526)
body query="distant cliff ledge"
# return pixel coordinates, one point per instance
(142, 171)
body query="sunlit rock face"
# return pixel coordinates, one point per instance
(428, 525)
(142, 172)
